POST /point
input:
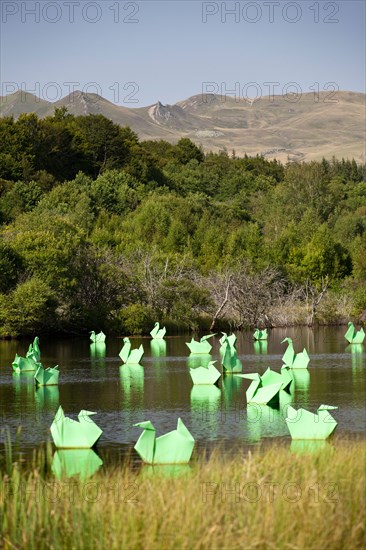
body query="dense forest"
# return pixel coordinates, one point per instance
(101, 231)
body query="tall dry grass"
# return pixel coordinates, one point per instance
(274, 499)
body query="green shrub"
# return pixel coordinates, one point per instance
(27, 309)
(136, 319)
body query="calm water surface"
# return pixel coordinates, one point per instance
(161, 389)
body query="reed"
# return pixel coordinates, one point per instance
(269, 499)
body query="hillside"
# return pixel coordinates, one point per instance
(275, 128)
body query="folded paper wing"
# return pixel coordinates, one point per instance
(47, 377)
(301, 360)
(304, 424)
(205, 374)
(75, 434)
(172, 448)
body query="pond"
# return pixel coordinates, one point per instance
(161, 390)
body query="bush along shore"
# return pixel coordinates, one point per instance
(101, 230)
(279, 497)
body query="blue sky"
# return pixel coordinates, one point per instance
(137, 53)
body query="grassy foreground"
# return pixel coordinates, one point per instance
(265, 500)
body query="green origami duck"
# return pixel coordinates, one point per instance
(266, 388)
(128, 356)
(260, 334)
(175, 447)
(304, 424)
(205, 374)
(354, 337)
(203, 346)
(72, 434)
(295, 360)
(158, 333)
(47, 377)
(97, 338)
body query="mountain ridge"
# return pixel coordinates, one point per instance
(273, 126)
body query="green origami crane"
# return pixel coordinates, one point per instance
(203, 346)
(72, 434)
(225, 338)
(81, 463)
(21, 364)
(47, 377)
(260, 334)
(205, 374)
(128, 356)
(304, 424)
(265, 389)
(97, 338)
(230, 361)
(354, 337)
(175, 447)
(295, 360)
(157, 332)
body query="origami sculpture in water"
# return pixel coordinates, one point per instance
(72, 434)
(172, 448)
(31, 361)
(205, 374)
(21, 364)
(230, 361)
(260, 334)
(225, 338)
(157, 332)
(304, 424)
(97, 338)
(266, 388)
(47, 377)
(295, 360)
(203, 346)
(128, 356)
(353, 336)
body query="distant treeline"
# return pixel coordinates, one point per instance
(101, 231)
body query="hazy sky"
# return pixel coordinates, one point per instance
(136, 53)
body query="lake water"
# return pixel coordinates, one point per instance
(161, 390)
